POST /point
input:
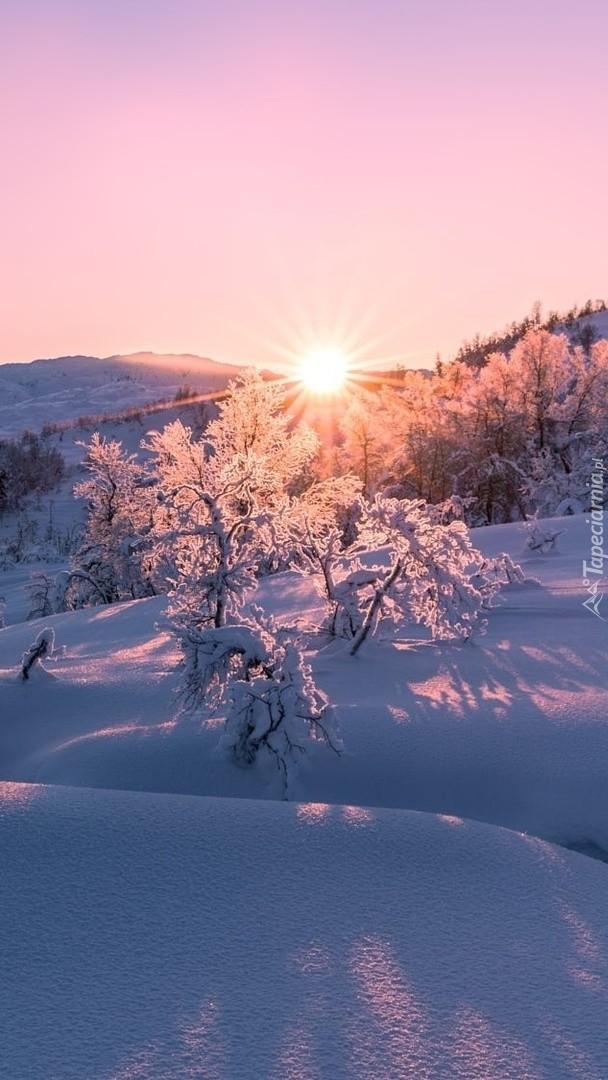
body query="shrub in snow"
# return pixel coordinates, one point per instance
(212, 656)
(278, 710)
(264, 689)
(540, 536)
(42, 647)
(27, 465)
(502, 569)
(496, 572)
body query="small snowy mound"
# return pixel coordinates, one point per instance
(168, 937)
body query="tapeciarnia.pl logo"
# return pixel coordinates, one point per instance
(593, 571)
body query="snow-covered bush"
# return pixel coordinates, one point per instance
(340, 577)
(19, 546)
(452, 509)
(540, 536)
(42, 596)
(42, 647)
(494, 573)
(27, 542)
(256, 677)
(278, 709)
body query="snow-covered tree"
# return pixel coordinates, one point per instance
(557, 476)
(233, 502)
(254, 438)
(364, 441)
(430, 573)
(210, 524)
(28, 465)
(496, 572)
(427, 573)
(517, 434)
(111, 563)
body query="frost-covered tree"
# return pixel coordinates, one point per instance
(429, 573)
(515, 435)
(254, 438)
(340, 576)
(231, 503)
(111, 563)
(493, 573)
(539, 415)
(364, 443)
(486, 462)
(415, 437)
(557, 474)
(213, 523)
(205, 526)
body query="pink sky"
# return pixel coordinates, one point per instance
(242, 177)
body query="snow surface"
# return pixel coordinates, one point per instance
(147, 933)
(165, 936)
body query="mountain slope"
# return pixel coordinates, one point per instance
(51, 391)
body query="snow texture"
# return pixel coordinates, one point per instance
(168, 937)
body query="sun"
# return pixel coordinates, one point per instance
(324, 371)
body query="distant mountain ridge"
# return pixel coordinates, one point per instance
(66, 387)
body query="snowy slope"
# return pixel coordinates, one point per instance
(510, 729)
(47, 391)
(163, 937)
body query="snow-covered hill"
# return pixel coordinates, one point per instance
(56, 390)
(70, 398)
(165, 915)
